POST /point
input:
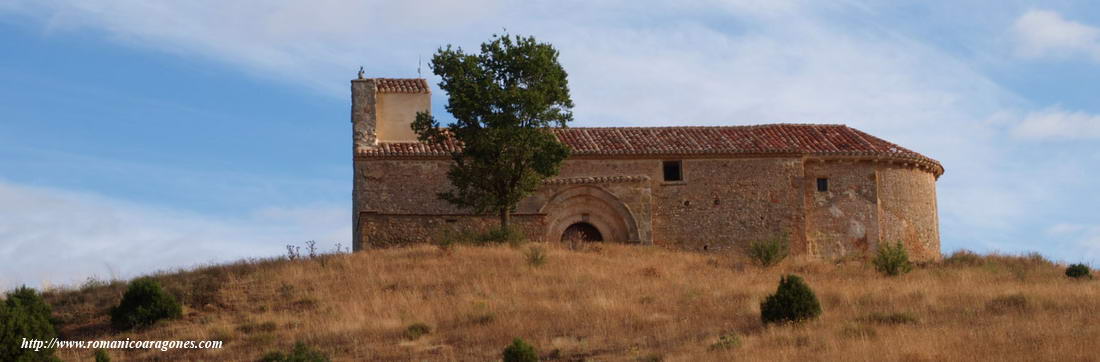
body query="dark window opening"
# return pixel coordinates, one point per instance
(822, 184)
(674, 171)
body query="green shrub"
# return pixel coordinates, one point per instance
(300, 353)
(24, 314)
(768, 252)
(793, 301)
(416, 330)
(1078, 271)
(101, 355)
(892, 260)
(535, 256)
(520, 351)
(143, 304)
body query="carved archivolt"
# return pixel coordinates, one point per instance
(590, 204)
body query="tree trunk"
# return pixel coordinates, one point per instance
(505, 218)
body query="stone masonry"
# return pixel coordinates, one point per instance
(831, 190)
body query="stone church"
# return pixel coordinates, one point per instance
(830, 190)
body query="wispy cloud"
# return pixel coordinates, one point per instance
(1056, 123)
(1046, 34)
(53, 236)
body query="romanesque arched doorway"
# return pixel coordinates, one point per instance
(581, 231)
(591, 211)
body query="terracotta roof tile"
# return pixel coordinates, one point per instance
(811, 139)
(405, 85)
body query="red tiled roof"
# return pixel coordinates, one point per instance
(403, 85)
(811, 139)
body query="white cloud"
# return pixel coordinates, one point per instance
(1056, 123)
(55, 236)
(1045, 33)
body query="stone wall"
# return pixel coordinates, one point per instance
(722, 203)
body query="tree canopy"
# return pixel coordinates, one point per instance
(504, 100)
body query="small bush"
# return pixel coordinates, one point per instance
(892, 260)
(520, 351)
(101, 355)
(1078, 271)
(793, 301)
(727, 341)
(769, 252)
(416, 330)
(300, 353)
(143, 304)
(535, 256)
(24, 314)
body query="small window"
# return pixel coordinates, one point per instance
(674, 171)
(822, 184)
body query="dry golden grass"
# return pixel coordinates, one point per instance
(609, 302)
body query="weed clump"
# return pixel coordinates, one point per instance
(535, 256)
(726, 341)
(1078, 271)
(793, 301)
(143, 304)
(768, 252)
(417, 330)
(1009, 303)
(892, 260)
(520, 351)
(300, 353)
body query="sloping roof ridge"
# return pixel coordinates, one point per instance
(713, 127)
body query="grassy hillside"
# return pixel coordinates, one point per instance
(609, 302)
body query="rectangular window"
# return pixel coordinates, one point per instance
(822, 184)
(674, 171)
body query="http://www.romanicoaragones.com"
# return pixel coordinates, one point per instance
(54, 343)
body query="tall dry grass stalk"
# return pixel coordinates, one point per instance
(610, 303)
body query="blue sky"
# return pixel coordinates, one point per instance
(137, 136)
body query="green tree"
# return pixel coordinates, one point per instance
(504, 100)
(24, 314)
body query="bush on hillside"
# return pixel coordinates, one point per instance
(143, 304)
(520, 351)
(101, 355)
(416, 330)
(300, 353)
(768, 252)
(793, 301)
(24, 314)
(1078, 271)
(892, 260)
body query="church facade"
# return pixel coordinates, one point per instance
(830, 190)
